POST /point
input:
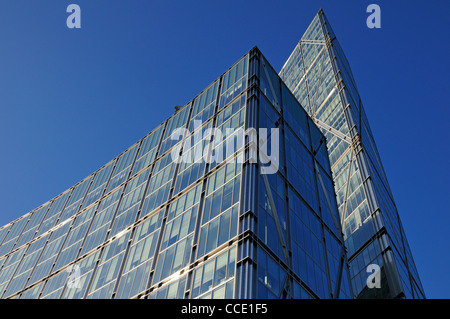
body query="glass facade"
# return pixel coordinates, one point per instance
(319, 75)
(187, 211)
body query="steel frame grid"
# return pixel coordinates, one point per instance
(244, 241)
(251, 185)
(358, 152)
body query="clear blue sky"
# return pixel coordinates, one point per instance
(73, 99)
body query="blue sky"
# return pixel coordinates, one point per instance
(73, 99)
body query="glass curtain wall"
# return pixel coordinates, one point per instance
(186, 212)
(319, 75)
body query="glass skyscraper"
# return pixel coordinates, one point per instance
(319, 75)
(231, 197)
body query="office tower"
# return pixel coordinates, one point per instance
(319, 75)
(195, 209)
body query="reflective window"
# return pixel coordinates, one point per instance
(4, 232)
(22, 267)
(234, 82)
(53, 213)
(159, 185)
(271, 277)
(204, 105)
(138, 263)
(32, 225)
(102, 220)
(230, 124)
(122, 168)
(32, 293)
(49, 254)
(179, 120)
(75, 199)
(220, 212)
(147, 152)
(174, 290)
(295, 117)
(300, 171)
(98, 185)
(307, 245)
(214, 279)
(75, 237)
(267, 214)
(269, 83)
(11, 237)
(192, 164)
(86, 267)
(108, 268)
(130, 202)
(176, 245)
(10, 265)
(55, 285)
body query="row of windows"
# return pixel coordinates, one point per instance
(353, 241)
(292, 72)
(108, 268)
(129, 204)
(174, 290)
(329, 210)
(300, 172)
(75, 199)
(308, 247)
(219, 217)
(32, 226)
(327, 85)
(98, 184)
(12, 236)
(213, 280)
(232, 140)
(267, 226)
(52, 214)
(341, 179)
(295, 117)
(223, 197)
(122, 168)
(236, 73)
(159, 184)
(271, 277)
(301, 59)
(179, 120)
(106, 273)
(218, 231)
(75, 238)
(176, 245)
(139, 260)
(269, 83)
(214, 273)
(102, 219)
(90, 228)
(204, 105)
(115, 172)
(147, 152)
(193, 163)
(106, 210)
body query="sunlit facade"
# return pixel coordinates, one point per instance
(318, 74)
(148, 226)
